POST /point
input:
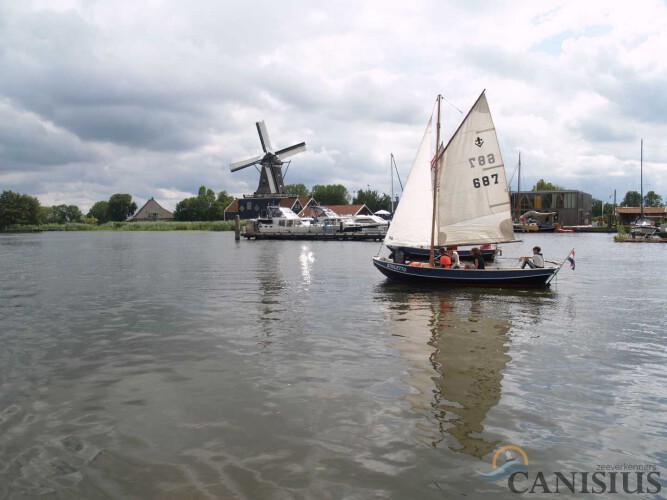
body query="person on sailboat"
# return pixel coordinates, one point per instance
(537, 260)
(454, 256)
(445, 260)
(477, 259)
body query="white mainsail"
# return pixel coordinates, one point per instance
(473, 202)
(411, 224)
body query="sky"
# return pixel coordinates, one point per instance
(156, 98)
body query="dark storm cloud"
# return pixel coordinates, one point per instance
(57, 66)
(27, 143)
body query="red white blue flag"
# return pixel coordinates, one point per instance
(571, 259)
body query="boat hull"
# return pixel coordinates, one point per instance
(643, 231)
(496, 278)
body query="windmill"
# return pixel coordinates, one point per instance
(271, 176)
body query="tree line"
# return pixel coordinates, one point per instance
(24, 209)
(18, 209)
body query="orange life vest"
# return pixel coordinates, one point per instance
(445, 261)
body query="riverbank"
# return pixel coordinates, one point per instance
(126, 226)
(630, 239)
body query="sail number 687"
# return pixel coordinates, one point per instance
(485, 181)
(482, 160)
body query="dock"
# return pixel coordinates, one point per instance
(590, 229)
(630, 239)
(335, 236)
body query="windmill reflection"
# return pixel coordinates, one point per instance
(457, 350)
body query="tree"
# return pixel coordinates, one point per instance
(631, 199)
(217, 209)
(596, 210)
(61, 214)
(373, 200)
(121, 207)
(186, 210)
(223, 201)
(204, 206)
(542, 185)
(331, 194)
(297, 190)
(100, 211)
(18, 208)
(652, 199)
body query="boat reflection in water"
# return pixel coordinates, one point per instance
(457, 355)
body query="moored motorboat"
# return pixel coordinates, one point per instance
(283, 223)
(644, 228)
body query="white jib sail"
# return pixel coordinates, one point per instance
(473, 202)
(411, 224)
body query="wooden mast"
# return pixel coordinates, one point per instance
(431, 259)
(518, 193)
(391, 171)
(641, 181)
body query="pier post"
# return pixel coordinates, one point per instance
(237, 228)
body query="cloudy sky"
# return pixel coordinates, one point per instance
(155, 98)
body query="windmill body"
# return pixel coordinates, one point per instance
(270, 164)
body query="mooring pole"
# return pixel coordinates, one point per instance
(237, 228)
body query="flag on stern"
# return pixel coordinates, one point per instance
(571, 259)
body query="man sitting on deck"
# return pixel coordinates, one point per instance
(454, 256)
(537, 260)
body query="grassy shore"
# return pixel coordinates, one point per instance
(126, 226)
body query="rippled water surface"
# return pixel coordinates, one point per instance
(188, 365)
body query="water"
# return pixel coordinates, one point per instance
(188, 365)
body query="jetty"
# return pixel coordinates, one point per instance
(334, 236)
(630, 239)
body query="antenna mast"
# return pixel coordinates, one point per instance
(436, 159)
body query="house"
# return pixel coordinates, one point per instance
(152, 211)
(572, 208)
(627, 215)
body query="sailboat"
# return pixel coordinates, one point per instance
(642, 226)
(470, 205)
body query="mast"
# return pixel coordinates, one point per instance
(431, 258)
(613, 212)
(391, 170)
(641, 180)
(518, 193)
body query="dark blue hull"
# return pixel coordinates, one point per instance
(498, 278)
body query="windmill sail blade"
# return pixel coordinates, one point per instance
(264, 137)
(244, 163)
(291, 151)
(271, 178)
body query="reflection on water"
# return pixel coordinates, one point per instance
(458, 353)
(306, 258)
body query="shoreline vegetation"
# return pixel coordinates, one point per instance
(124, 226)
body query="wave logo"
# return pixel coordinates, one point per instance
(513, 463)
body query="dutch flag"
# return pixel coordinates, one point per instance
(571, 259)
